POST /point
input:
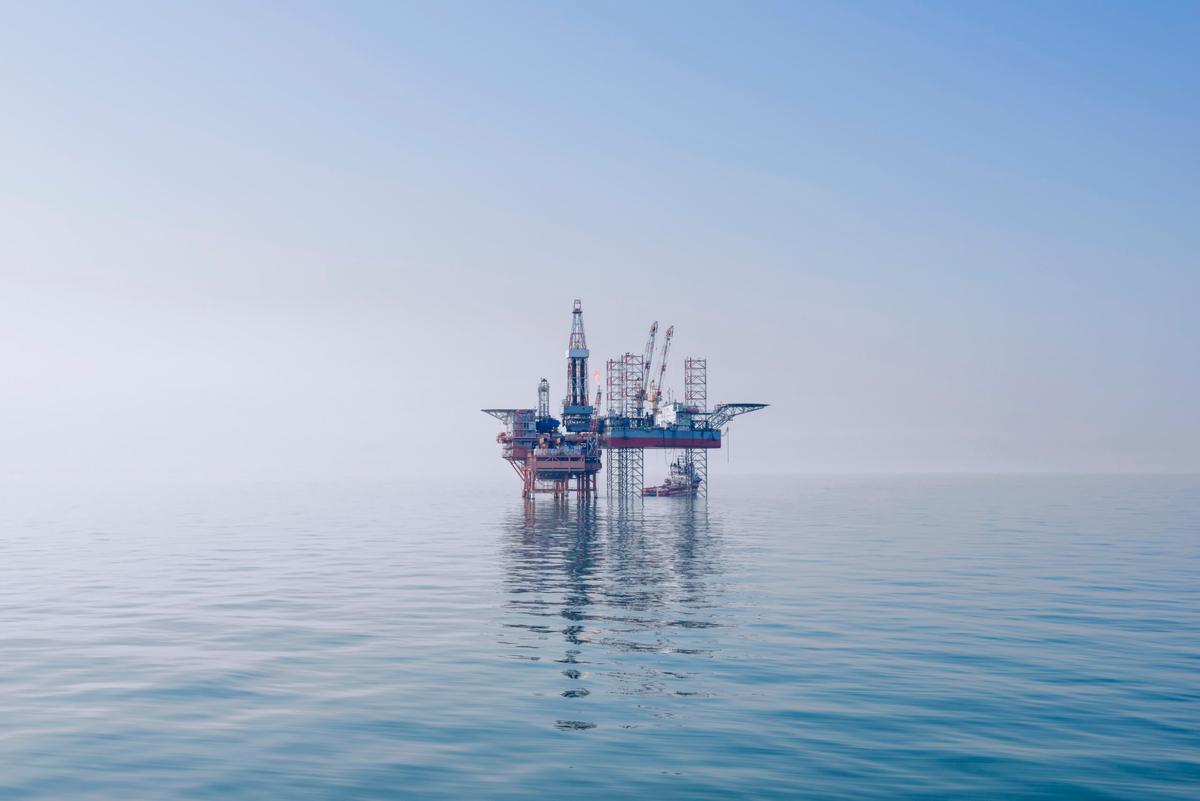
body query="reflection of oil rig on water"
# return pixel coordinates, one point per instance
(563, 455)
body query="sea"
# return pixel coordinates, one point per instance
(809, 637)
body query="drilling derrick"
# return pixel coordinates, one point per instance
(576, 411)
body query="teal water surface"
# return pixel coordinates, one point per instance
(823, 638)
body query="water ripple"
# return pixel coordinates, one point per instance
(821, 638)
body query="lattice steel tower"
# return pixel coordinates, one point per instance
(695, 400)
(625, 472)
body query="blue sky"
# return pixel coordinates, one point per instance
(315, 238)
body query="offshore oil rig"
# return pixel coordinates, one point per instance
(561, 455)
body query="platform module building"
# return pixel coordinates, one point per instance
(559, 456)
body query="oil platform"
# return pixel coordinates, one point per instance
(561, 455)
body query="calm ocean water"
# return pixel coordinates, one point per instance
(824, 638)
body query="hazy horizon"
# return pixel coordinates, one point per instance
(312, 241)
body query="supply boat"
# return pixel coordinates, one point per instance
(681, 480)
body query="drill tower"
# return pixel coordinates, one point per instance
(577, 414)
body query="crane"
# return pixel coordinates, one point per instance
(656, 388)
(646, 359)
